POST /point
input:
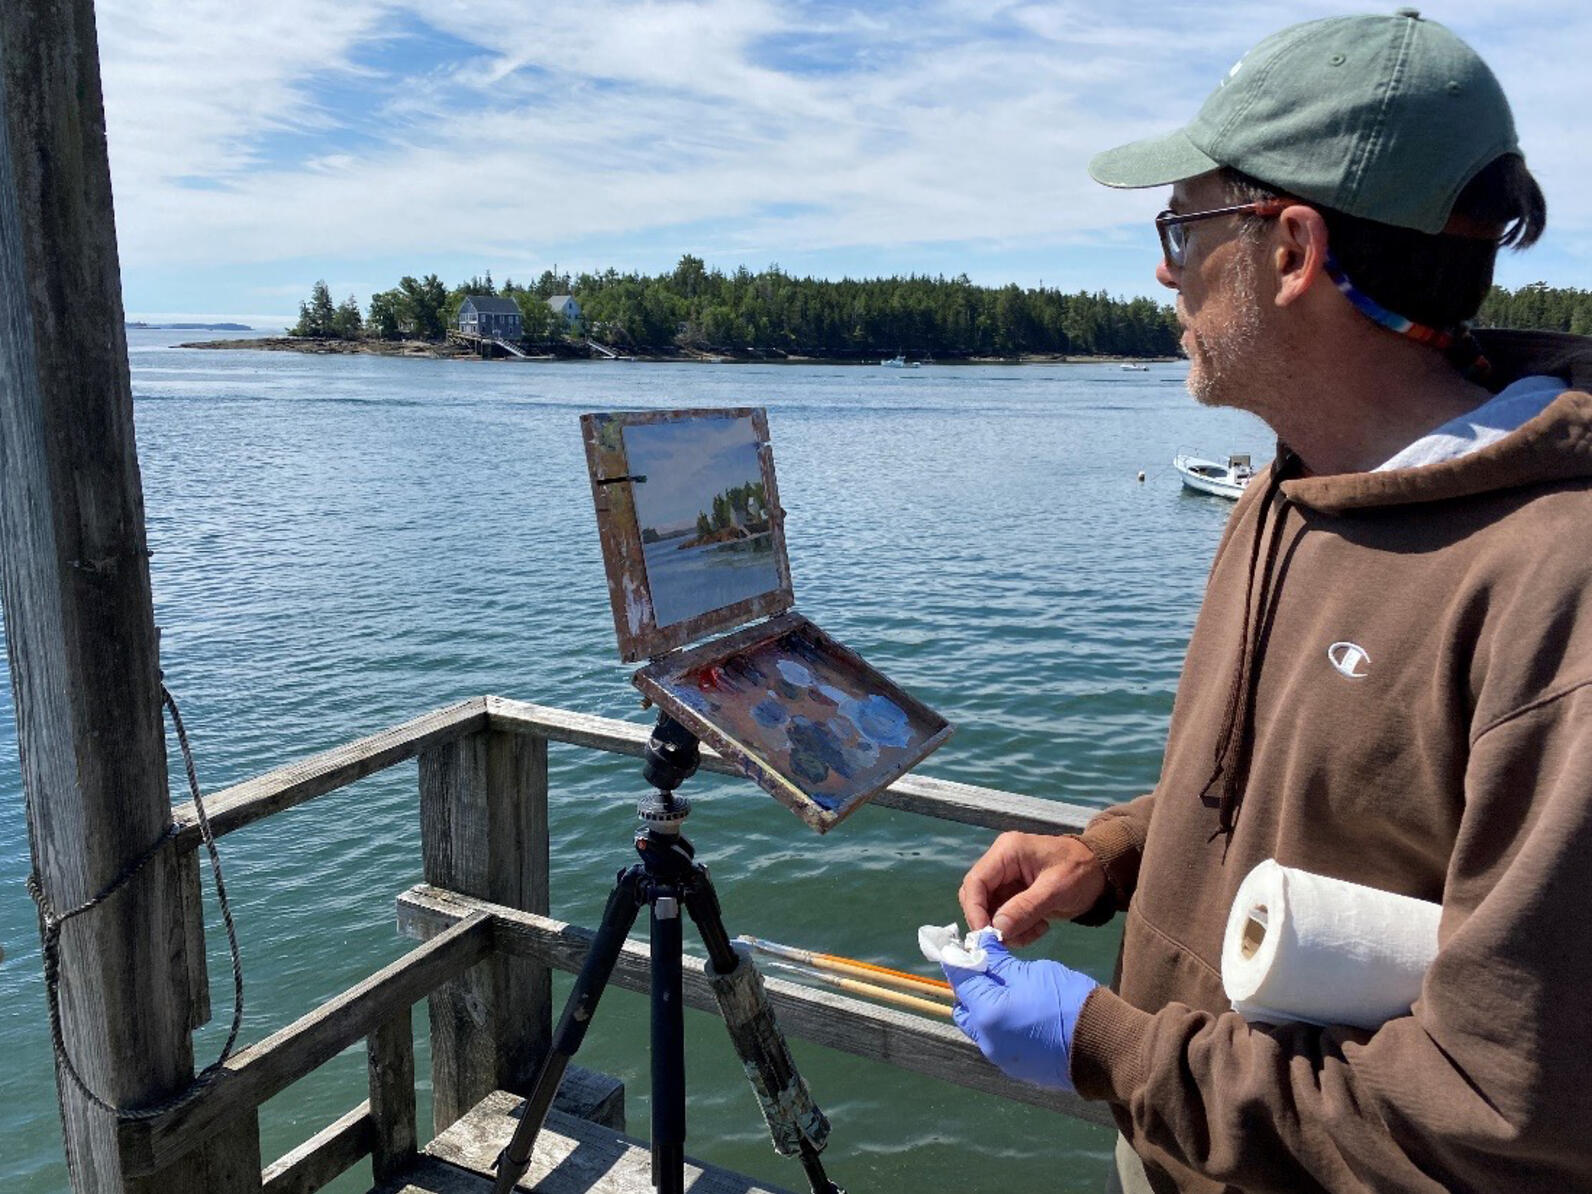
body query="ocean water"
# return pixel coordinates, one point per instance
(341, 543)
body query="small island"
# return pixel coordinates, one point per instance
(739, 515)
(693, 313)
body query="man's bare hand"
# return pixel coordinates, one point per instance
(1026, 880)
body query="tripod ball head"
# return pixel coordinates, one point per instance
(671, 756)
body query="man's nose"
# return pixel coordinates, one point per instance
(1164, 275)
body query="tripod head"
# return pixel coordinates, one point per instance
(671, 758)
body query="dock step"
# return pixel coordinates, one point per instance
(573, 1156)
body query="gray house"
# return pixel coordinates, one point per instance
(490, 316)
(566, 308)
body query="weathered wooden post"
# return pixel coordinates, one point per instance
(79, 622)
(483, 825)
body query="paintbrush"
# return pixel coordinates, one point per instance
(901, 980)
(928, 1007)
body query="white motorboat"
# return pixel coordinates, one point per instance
(1207, 476)
(899, 361)
(1133, 367)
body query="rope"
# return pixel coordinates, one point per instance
(54, 922)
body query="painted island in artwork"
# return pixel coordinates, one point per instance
(704, 514)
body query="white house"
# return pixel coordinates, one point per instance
(566, 308)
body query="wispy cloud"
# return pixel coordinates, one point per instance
(296, 140)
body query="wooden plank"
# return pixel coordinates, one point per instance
(74, 582)
(572, 1156)
(324, 1157)
(294, 784)
(391, 1057)
(227, 1160)
(587, 1094)
(255, 1074)
(854, 1026)
(483, 829)
(193, 919)
(946, 800)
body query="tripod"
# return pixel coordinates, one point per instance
(666, 878)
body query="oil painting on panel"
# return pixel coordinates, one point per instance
(704, 515)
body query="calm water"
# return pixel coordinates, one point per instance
(342, 543)
(687, 581)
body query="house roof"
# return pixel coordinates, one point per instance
(491, 304)
(558, 300)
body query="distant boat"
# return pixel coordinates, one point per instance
(1133, 367)
(1224, 480)
(899, 361)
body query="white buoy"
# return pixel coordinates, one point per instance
(1141, 476)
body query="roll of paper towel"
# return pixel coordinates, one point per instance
(1324, 951)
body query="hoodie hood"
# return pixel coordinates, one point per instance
(1556, 445)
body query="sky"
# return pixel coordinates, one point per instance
(259, 145)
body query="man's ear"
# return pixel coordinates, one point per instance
(1299, 255)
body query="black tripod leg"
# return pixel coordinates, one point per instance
(668, 1048)
(796, 1124)
(623, 903)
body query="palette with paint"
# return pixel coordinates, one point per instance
(694, 545)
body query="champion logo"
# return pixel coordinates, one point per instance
(1350, 659)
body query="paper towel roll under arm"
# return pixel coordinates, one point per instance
(1304, 947)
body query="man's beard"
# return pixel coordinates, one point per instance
(1217, 358)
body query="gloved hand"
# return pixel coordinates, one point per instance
(1021, 1014)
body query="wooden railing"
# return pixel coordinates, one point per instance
(489, 944)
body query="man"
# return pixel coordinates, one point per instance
(1391, 679)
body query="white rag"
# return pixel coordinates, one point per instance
(946, 945)
(1303, 947)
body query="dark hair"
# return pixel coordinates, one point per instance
(1436, 279)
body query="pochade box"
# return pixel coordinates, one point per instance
(693, 540)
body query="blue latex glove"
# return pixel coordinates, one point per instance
(1021, 1015)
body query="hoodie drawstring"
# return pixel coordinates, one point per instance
(1230, 764)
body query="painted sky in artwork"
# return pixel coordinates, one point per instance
(686, 462)
(258, 147)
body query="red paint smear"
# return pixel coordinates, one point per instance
(709, 677)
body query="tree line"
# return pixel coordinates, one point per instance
(693, 307)
(696, 308)
(1539, 307)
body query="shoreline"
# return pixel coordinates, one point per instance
(450, 350)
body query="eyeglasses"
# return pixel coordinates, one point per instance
(1174, 231)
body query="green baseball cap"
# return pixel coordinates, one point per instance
(1382, 117)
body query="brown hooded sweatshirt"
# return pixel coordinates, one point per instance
(1454, 766)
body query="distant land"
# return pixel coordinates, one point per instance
(190, 327)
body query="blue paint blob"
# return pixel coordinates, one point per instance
(883, 720)
(688, 695)
(769, 713)
(807, 761)
(794, 673)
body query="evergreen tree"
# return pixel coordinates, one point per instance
(347, 323)
(318, 316)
